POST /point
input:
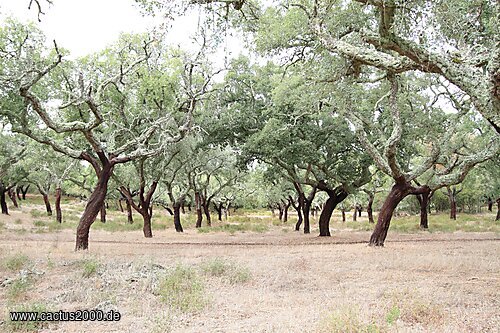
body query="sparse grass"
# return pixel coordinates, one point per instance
(228, 271)
(27, 326)
(182, 290)
(16, 262)
(90, 267)
(37, 213)
(18, 288)
(347, 320)
(118, 224)
(39, 223)
(233, 228)
(18, 221)
(392, 315)
(413, 309)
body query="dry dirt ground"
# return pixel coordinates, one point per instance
(255, 282)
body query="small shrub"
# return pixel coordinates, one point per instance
(16, 262)
(182, 290)
(90, 267)
(17, 288)
(346, 320)
(392, 315)
(228, 271)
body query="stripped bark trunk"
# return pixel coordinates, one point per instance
(335, 197)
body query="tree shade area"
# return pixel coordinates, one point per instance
(358, 117)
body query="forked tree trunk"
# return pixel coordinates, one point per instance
(423, 200)
(94, 204)
(218, 208)
(298, 208)
(334, 198)
(58, 205)
(12, 196)
(24, 191)
(398, 192)
(369, 208)
(177, 218)
(18, 193)
(47, 204)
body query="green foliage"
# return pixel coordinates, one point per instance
(90, 267)
(182, 290)
(16, 262)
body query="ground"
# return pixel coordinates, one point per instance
(250, 279)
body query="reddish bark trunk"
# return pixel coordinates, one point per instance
(96, 201)
(58, 205)
(47, 204)
(334, 198)
(146, 229)
(398, 192)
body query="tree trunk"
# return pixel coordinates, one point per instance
(369, 209)
(398, 192)
(343, 214)
(423, 199)
(3, 202)
(130, 216)
(184, 210)
(199, 215)
(58, 205)
(285, 212)
(47, 204)
(490, 204)
(18, 193)
(177, 218)
(206, 210)
(24, 191)
(360, 209)
(12, 196)
(148, 233)
(218, 208)
(498, 210)
(169, 211)
(96, 201)
(453, 209)
(120, 205)
(103, 213)
(305, 210)
(355, 214)
(280, 210)
(334, 198)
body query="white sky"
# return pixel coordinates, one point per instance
(88, 26)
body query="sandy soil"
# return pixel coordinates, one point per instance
(298, 283)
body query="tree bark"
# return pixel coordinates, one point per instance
(343, 214)
(355, 214)
(490, 204)
(58, 205)
(285, 212)
(47, 204)
(199, 215)
(399, 191)
(335, 197)
(369, 208)
(18, 193)
(3, 202)
(177, 218)
(218, 208)
(120, 205)
(452, 196)
(24, 191)
(96, 201)
(498, 210)
(146, 229)
(12, 196)
(206, 210)
(103, 213)
(423, 200)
